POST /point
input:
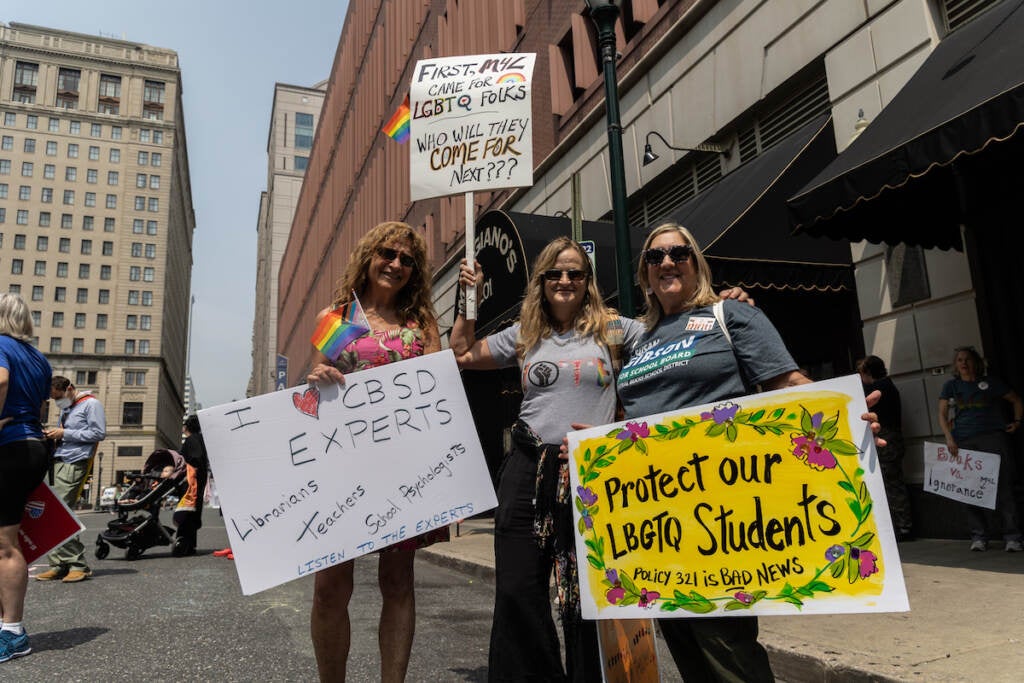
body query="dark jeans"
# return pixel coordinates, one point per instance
(1006, 506)
(524, 643)
(890, 458)
(717, 649)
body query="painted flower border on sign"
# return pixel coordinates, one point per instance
(813, 438)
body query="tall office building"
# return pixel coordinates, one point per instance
(293, 120)
(96, 224)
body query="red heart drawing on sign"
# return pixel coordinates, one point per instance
(308, 402)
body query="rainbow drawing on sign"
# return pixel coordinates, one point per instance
(339, 328)
(513, 77)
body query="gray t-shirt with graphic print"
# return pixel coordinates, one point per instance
(566, 378)
(686, 360)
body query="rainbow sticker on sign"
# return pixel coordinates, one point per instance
(339, 328)
(512, 77)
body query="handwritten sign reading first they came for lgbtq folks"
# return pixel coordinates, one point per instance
(314, 476)
(471, 124)
(766, 504)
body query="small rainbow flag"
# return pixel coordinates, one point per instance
(339, 328)
(397, 127)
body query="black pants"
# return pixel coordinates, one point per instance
(524, 644)
(717, 649)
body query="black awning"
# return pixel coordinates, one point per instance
(897, 182)
(742, 226)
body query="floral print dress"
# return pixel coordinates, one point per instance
(380, 347)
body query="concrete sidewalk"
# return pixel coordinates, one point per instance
(966, 621)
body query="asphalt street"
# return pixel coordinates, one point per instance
(161, 618)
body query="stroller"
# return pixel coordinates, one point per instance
(138, 526)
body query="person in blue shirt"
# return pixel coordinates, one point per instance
(972, 415)
(83, 424)
(24, 386)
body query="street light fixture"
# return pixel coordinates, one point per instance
(651, 157)
(605, 13)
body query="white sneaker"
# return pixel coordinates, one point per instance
(1013, 547)
(979, 546)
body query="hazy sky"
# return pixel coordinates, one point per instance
(231, 53)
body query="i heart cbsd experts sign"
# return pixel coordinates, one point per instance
(314, 476)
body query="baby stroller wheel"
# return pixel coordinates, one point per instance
(102, 549)
(134, 553)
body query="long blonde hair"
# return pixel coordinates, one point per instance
(703, 294)
(413, 302)
(15, 319)
(535, 321)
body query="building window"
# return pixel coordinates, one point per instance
(10, 119)
(37, 318)
(40, 268)
(148, 274)
(60, 294)
(133, 297)
(17, 265)
(62, 269)
(158, 137)
(22, 217)
(104, 272)
(65, 220)
(151, 251)
(131, 322)
(156, 159)
(80, 320)
(140, 203)
(140, 180)
(143, 346)
(7, 143)
(26, 168)
(90, 200)
(115, 156)
(301, 163)
(147, 298)
(44, 219)
(108, 248)
(42, 243)
(92, 176)
(78, 346)
(46, 195)
(54, 125)
(51, 148)
(3, 190)
(111, 201)
(154, 182)
(67, 88)
(101, 320)
(110, 94)
(54, 344)
(108, 224)
(135, 378)
(37, 292)
(303, 131)
(82, 295)
(154, 204)
(69, 197)
(113, 177)
(87, 222)
(58, 319)
(96, 130)
(70, 174)
(131, 413)
(129, 346)
(135, 273)
(115, 133)
(94, 153)
(143, 158)
(49, 171)
(64, 246)
(137, 249)
(153, 100)
(74, 127)
(26, 78)
(137, 226)
(5, 167)
(150, 227)
(25, 192)
(100, 346)
(145, 322)
(72, 150)
(103, 296)
(86, 247)
(29, 146)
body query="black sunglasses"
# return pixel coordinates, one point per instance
(389, 254)
(679, 253)
(555, 275)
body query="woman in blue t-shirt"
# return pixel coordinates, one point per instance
(979, 424)
(24, 387)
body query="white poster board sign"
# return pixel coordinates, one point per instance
(759, 505)
(310, 477)
(969, 476)
(471, 124)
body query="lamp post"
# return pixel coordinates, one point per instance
(97, 480)
(604, 13)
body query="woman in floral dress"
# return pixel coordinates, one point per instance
(388, 272)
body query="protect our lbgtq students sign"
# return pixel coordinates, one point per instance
(471, 124)
(765, 504)
(969, 476)
(311, 477)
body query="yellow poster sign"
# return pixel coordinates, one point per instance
(767, 504)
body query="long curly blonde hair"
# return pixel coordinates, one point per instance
(703, 294)
(413, 302)
(535, 321)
